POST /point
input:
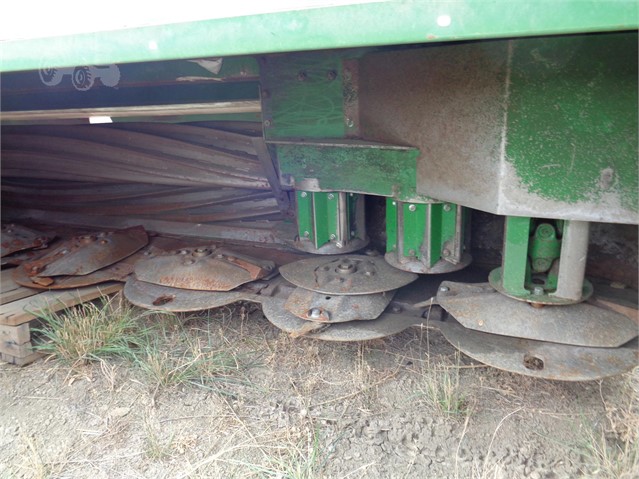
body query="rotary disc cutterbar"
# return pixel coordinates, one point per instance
(204, 268)
(115, 272)
(480, 307)
(541, 359)
(88, 253)
(164, 298)
(18, 238)
(347, 274)
(321, 307)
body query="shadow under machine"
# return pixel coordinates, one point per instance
(357, 170)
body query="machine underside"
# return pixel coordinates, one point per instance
(485, 188)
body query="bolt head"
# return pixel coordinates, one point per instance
(447, 207)
(330, 196)
(443, 289)
(332, 236)
(303, 194)
(538, 290)
(339, 244)
(446, 253)
(412, 207)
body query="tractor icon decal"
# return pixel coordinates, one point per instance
(82, 77)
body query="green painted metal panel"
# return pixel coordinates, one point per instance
(305, 224)
(414, 228)
(515, 260)
(391, 225)
(573, 120)
(153, 83)
(377, 169)
(383, 23)
(302, 96)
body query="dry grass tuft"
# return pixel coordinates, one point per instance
(110, 327)
(612, 449)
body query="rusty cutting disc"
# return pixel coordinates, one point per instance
(321, 307)
(387, 324)
(480, 307)
(346, 274)
(164, 298)
(85, 254)
(539, 358)
(16, 238)
(203, 268)
(115, 272)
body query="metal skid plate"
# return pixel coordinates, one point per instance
(164, 298)
(18, 238)
(320, 307)
(88, 253)
(480, 307)
(204, 268)
(539, 358)
(346, 274)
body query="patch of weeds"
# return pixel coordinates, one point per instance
(611, 450)
(155, 446)
(611, 458)
(188, 361)
(440, 388)
(109, 327)
(305, 460)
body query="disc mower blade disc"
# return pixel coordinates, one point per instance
(16, 238)
(320, 307)
(164, 298)
(385, 325)
(346, 274)
(480, 307)
(202, 269)
(115, 272)
(539, 358)
(88, 253)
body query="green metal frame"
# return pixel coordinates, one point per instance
(531, 262)
(383, 23)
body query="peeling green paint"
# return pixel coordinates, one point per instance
(572, 118)
(369, 168)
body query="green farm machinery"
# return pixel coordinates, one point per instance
(357, 169)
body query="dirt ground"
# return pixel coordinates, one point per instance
(407, 406)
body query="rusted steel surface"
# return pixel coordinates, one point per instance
(204, 268)
(387, 324)
(19, 238)
(480, 307)
(164, 298)
(119, 271)
(320, 307)
(346, 274)
(87, 253)
(539, 358)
